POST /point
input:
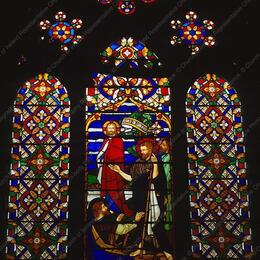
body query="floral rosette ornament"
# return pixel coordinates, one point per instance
(125, 7)
(193, 32)
(63, 31)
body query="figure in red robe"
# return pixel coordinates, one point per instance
(112, 152)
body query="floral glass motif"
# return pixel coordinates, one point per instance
(127, 50)
(193, 32)
(62, 30)
(125, 7)
(217, 171)
(38, 197)
(124, 116)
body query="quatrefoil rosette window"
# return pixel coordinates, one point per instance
(63, 31)
(193, 33)
(125, 7)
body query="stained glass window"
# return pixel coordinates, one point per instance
(217, 171)
(193, 33)
(125, 7)
(63, 31)
(38, 196)
(128, 130)
(131, 52)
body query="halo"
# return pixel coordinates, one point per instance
(155, 146)
(104, 127)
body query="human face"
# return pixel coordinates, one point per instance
(104, 209)
(111, 130)
(145, 152)
(164, 148)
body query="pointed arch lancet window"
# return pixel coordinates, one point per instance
(217, 171)
(38, 196)
(127, 120)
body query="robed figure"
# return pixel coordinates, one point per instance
(112, 184)
(149, 188)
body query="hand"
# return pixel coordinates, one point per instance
(115, 168)
(139, 216)
(153, 158)
(120, 217)
(165, 200)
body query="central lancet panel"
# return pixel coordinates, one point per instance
(128, 171)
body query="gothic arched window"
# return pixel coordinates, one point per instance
(38, 196)
(128, 129)
(217, 171)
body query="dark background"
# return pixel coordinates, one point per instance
(235, 57)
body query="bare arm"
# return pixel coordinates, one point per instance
(155, 166)
(116, 168)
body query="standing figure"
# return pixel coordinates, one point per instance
(112, 184)
(165, 150)
(148, 184)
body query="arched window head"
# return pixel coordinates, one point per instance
(131, 52)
